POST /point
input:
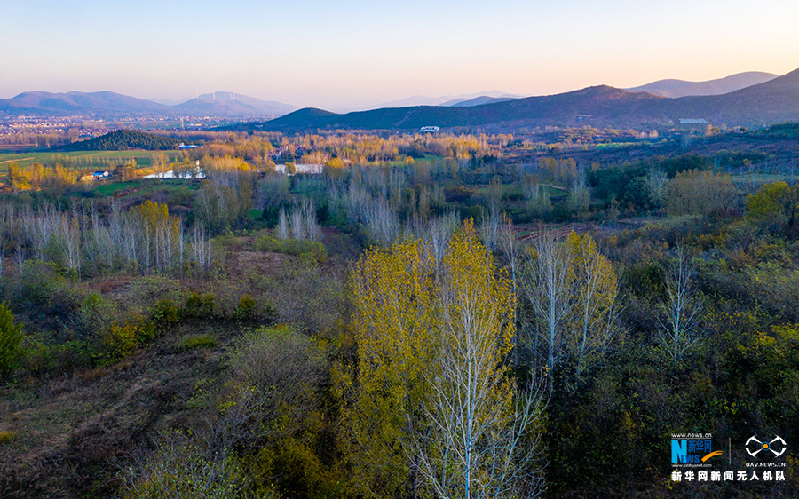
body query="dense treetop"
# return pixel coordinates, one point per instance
(123, 139)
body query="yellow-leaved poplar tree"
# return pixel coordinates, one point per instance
(572, 288)
(431, 404)
(480, 440)
(393, 326)
(593, 318)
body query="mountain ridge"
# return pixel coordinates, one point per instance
(774, 101)
(269, 106)
(477, 101)
(112, 104)
(444, 101)
(674, 88)
(66, 103)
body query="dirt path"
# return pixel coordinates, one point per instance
(15, 160)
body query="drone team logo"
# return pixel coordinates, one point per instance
(691, 455)
(776, 446)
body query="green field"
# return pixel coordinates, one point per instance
(82, 159)
(111, 189)
(146, 187)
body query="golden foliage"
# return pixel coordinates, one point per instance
(393, 328)
(696, 192)
(591, 325)
(410, 324)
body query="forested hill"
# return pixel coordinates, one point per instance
(121, 140)
(775, 101)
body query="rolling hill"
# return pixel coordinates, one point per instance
(774, 101)
(680, 88)
(771, 102)
(555, 109)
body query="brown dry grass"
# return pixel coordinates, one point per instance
(111, 285)
(260, 262)
(72, 433)
(68, 432)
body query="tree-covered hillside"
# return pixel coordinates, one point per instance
(121, 140)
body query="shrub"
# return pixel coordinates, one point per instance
(165, 313)
(294, 470)
(294, 247)
(199, 306)
(6, 437)
(120, 341)
(300, 247)
(458, 194)
(43, 358)
(181, 468)
(199, 341)
(264, 243)
(275, 375)
(775, 207)
(246, 308)
(96, 312)
(269, 312)
(39, 282)
(275, 372)
(271, 215)
(10, 341)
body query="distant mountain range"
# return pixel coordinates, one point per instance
(774, 101)
(232, 104)
(679, 88)
(746, 99)
(84, 103)
(171, 102)
(479, 101)
(111, 104)
(464, 100)
(664, 88)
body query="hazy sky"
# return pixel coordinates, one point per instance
(337, 54)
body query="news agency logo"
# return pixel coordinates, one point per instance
(690, 451)
(695, 451)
